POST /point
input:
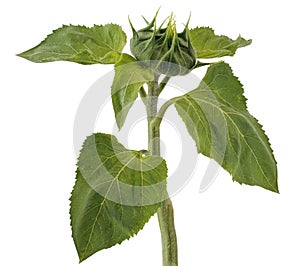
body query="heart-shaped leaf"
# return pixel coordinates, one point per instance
(116, 192)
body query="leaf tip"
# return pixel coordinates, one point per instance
(28, 56)
(275, 188)
(243, 42)
(22, 55)
(81, 259)
(120, 125)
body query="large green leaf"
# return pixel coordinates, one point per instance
(209, 45)
(216, 116)
(98, 44)
(129, 78)
(116, 192)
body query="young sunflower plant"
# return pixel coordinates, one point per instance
(117, 190)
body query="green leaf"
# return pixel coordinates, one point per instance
(209, 45)
(216, 117)
(130, 76)
(80, 44)
(116, 192)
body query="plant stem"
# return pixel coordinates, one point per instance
(168, 233)
(165, 213)
(163, 84)
(143, 95)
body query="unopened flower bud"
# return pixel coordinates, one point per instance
(169, 52)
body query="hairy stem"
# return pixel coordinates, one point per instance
(165, 212)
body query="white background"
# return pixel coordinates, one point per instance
(229, 224)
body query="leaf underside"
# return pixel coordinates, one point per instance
(109, 181)
(209, 45)
(96, 45)
(216, 117)
(130, 76)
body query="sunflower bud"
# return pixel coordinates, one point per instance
(167, 51)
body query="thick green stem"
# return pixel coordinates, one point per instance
(168, 233)
(165, 212)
